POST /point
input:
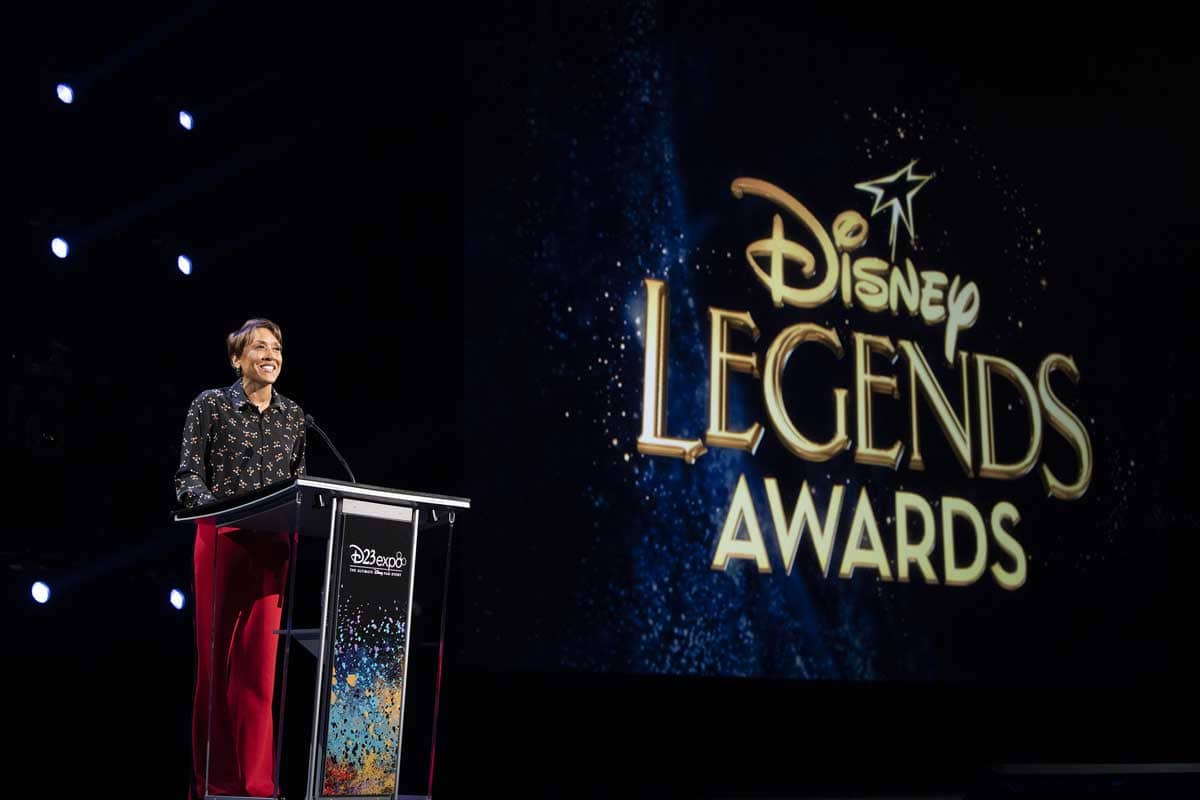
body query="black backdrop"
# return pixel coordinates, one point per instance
(318, 188)
(321, 187)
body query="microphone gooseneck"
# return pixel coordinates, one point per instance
(312, 423)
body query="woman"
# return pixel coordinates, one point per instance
(235, 440)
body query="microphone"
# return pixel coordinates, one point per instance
(312, 423)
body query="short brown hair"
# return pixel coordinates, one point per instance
(235, 342)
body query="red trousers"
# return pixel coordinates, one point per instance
(251, 576)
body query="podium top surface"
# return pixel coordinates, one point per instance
(284, 493)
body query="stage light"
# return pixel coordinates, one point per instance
(177, 599)
(59, 247)
(40, 592)
(185, 120)
(185, 265)
(66, 93)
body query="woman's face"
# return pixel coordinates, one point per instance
(262, 360)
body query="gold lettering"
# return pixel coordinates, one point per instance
(932, 309)
(720, 362)
(1066, 423)
(964, 310)
(906, 552)
(849, 234)
(867, 383)
(788, 532)
(870, 288)
(741, 512)
(953, 507)
(858, 556)
(904, 286)
(653, 441)
(777, 356)
(985, 366)
(779, 249)
(957, 429)
(1006, 512)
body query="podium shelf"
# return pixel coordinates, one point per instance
(309, 637)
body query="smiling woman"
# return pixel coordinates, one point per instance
(256, 351)
(235, 440)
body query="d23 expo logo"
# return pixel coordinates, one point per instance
(366, 560)
(838, 270)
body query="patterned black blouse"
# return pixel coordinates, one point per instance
(229, 448)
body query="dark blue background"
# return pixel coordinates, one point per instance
(600, 146)
(600, 150)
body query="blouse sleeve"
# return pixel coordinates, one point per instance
(190, 487)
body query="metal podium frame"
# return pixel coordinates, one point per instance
(317, 508)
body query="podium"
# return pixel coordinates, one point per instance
(372, 565)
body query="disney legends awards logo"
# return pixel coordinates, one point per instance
(959, 543)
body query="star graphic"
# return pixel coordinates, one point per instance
(896, 190)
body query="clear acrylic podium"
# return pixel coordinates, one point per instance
(366, 599)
